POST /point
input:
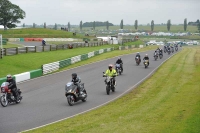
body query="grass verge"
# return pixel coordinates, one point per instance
(167, 102)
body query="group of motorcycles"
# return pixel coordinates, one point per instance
(170, 49)
(71, 90)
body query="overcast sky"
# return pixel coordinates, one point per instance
(73, 11)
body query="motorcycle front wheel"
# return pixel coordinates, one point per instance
(70, 100)
(4, 101)
(108, 90)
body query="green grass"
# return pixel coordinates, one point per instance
(168, 102)
(163, 28)
(37, 33)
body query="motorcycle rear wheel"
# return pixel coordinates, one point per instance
(4, 101)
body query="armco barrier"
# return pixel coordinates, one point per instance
(75, 59)
(84, 57)
(96, 52)
(48, 68)
(101, 51)
(21, 39)
(14, 39)
(22, 76)
(64, 63)
(35, 73)
(91, 54)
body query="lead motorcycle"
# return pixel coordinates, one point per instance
(109, 84)
(155, 55)
(7, 96)
(72, 94)
(118, 69)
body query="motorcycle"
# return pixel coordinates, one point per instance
(160, 55)
(168, 51)
(172, 49)
(176, 48)
(72, 94)
(118, 69)
(146, 63)
(109, 84)
(137, 60)
(165, 49)
(155, 56)
(7, 96)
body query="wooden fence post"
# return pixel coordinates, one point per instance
(26, 49)
(16, 50)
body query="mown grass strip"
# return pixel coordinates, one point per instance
(167, 102)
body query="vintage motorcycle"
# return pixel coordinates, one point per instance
(72, 94)
(7, 96)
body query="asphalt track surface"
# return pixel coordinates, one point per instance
(44, 100)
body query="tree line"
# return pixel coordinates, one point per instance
(11, 14)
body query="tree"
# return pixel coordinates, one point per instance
(34, 25)
(136, 24)
(55, 26)
(68, 26)
(198, 26)
(107, 25)
(152, 25)
(185, 24)
(94, 25)
(45, 25)
(81, 25)
(10, 14)
(168, 25)
(122, 24)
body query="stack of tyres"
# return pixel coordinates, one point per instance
(4, 41)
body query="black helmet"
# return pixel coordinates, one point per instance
(74, 75)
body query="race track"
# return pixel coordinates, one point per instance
(44, 100)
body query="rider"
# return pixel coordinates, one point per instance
(43, 42)
(146, 58)
(119, 61)
(138, 55)
(12, 85)
(111, 72)
(160, 51)
(76, 80)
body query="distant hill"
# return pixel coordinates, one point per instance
(90, 24)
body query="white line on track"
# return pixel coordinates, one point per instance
(134, 86)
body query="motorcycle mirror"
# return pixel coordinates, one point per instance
(103, 72)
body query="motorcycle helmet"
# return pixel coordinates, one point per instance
(74, 75)
(119, 58)
(110, 66)
(146, 55)
(9, 76)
